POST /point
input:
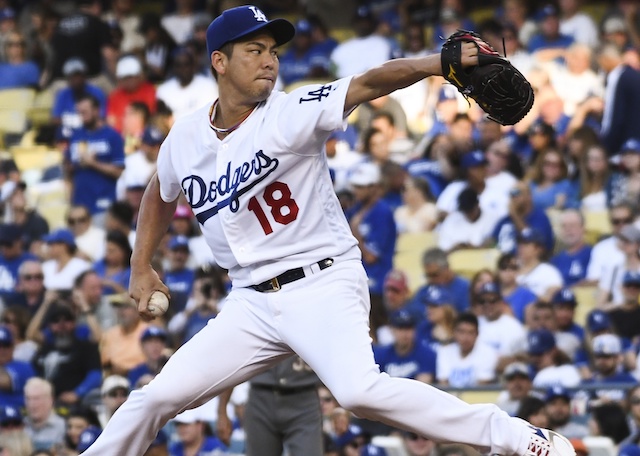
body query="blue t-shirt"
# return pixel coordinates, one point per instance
(210, 447)
(9, 275)
(429, 170)
(20, 372)
(539, 42)
(378, 229)
(545, 198)
(518, 300)
(137, 372)
(21, 75)
(421, 360)
(180, 285)
(505, 233)
(91, 188)
(573, 266)
(458, 290)
(294, 67)
(120, 277)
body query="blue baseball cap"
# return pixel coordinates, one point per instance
(87, 437)
(598, 320)
(152, 136)
(303, 26)
(629, 450)
(564, 296)
(6, 338)
(352, 433)
(402, 319)
(606, 344)
(631, 278)
(631, 145)
(557, 391)
(9, 233)
(490, 288)
(10, 414)
(540, 341)
(530, 235)
(179, 242)
(447, 92)
(62, 236)
(7, 13)
(161, 439)
(241, 21)
(372, 450)
(472, 159)
(154, 331)
(434, 295)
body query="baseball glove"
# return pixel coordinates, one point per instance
(498, 87)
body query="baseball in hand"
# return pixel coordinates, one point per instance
(158, 303)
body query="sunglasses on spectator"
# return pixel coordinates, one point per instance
(635, 400)
(117, 393)
(11, 423)
(621, 221)
(77, 220)
(33, 276)
(488, 301)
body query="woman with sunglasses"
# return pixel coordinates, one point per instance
(17, 72)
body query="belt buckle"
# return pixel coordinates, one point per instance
(275, 285)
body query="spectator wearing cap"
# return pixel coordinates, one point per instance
(608, 367)
(194, 435)
(540, 277)
(578, 24)
(570, 336)
(69, 362)
(518, 297)
(406, 357)
(300, 61)
(366, 50)
(622, 95)
(497, 327)
(90, 239)
(397, 294)
(623, 184)
(64, 113)
(113, 392)
(611, 289)
(372, 224)
(178, 276)
(522, 214)
(465, 363)
(43, 425)
(558, 407)
(549, 44)
(12, 256)
(474, 171)
(517, 382)
(549, 183)
(132, 86)
(437, 272)
(87, 437)
(552, 365)
(616, 30)
(16, 71)
(186, 91)
(62, 267)
(114, 269)
(13, 436)
(573, 260)
(439, 309)
(467, 228)
(120, 349)
(13, 374)
(94, 160)
(606, 254)
(154, 341)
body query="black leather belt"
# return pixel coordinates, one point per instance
(284, 391)
(287, 277)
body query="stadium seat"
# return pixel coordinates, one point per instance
(416, 242)
(40, 112)
(478, 397)
(36, 157)
(51, 202)
(586, 297)
(467, 262)
(408, 257)
(17, 99)
(597, 225)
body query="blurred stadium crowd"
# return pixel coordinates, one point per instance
(504, 262)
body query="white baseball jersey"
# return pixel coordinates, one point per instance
(263, 194)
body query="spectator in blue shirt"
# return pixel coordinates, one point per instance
(550, 44)
(113, 269)
(517, 296)
(303, 60)
(573, 260)
(64, 113)
(406, 357)
(569, 334)
(436, 268)
(522, 214)
(154, 341)
(13, 374)
(17, 72)
(194, 436)
(94, 159)
(437, 329)
(178, 277)
(550, 186)
(12, 255)
(374, 227)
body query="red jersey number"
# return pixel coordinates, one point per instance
(284, 209)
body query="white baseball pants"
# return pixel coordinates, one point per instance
(324, 318)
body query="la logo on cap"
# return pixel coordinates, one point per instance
(259, 15)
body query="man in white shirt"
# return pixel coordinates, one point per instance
(466, 363)
(140, 165)
(498, 329)
(90, 239)
(551, 363)
(186, 91)
(517, 379)
(606, 253)
(558, 408)
(578, 24)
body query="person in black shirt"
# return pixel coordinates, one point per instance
(626, 318)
